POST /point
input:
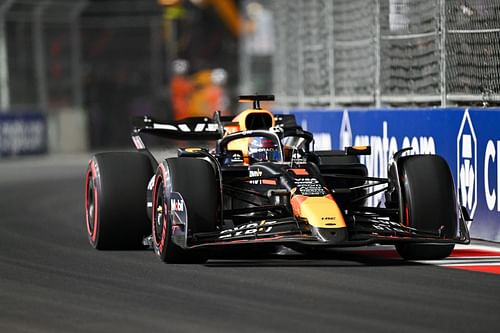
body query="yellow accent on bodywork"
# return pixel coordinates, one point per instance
(193, 149)
(322, 212)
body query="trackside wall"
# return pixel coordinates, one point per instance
(468, 138)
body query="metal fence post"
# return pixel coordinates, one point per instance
(76, 49)
(377, 54)
(245, 73)
(4, 63)
(39, 60)
(300, 48)
(331, 51)
(442, 27)
(157, 68)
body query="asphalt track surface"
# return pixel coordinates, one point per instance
(51, 280)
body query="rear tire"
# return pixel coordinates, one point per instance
(195, 180)
(429, 204)
(115, 198)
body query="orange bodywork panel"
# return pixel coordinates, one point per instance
(300, 172)
(241, 118)
(321, 212)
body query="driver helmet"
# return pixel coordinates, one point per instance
(261, 149)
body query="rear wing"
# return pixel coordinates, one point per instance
(255, 99)
(194, 128)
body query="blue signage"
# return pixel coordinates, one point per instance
(469, 139)
(23, 133)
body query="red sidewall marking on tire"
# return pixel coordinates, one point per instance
(91, 173)
(161, 245)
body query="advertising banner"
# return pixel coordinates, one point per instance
(22, 133)
(469, 139)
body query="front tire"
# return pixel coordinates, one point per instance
(115, 197)
(194, 179)
(429, 204)
(424, 251)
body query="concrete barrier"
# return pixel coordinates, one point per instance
(33, 132)
(23, 133)
(68, 131)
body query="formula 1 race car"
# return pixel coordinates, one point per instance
(262, 186)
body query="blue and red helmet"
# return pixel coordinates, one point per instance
(262, 149)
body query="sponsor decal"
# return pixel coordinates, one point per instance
(298, 157)
(322, 140)
(184, 127)
(345, 136)
(467, 164)
(165, 127)
(22, 134)
(467, 138)
(247, 229)
(178, 213)
(383, 147)
(209, 128)
(236, 158)
(309, 186)
(255, 173)
(329, 220)
(492, 167)
(138, 143)
(177, 205)
(200, 127)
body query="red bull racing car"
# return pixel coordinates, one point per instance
(261, 186)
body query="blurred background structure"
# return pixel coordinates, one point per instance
(89, 65)
(97, 63)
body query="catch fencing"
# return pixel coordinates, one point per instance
(331, 53)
